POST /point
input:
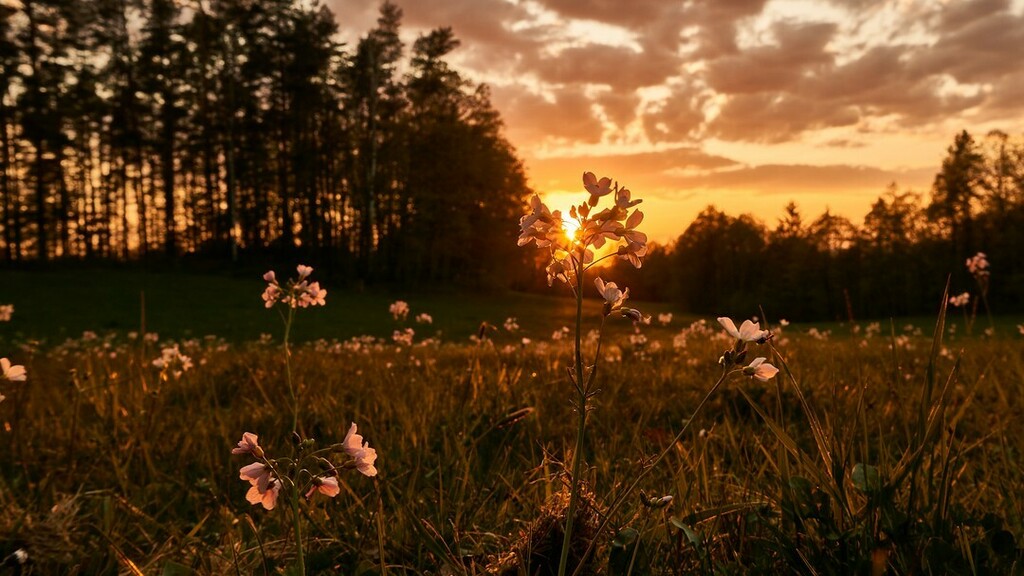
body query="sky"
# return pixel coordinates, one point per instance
(744, 104)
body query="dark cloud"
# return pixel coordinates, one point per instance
(533, 117)
(679, 118)
(616, 66)
(619, 106)
(777, 117)
(800, 51)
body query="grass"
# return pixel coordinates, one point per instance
(842, 464)
(54, 305)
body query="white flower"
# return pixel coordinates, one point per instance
(304, 271)
(597, 188)
(748, 332)
(399, 309)
(761, 370)
(6, 311)
(424, 318)
(613, 297)
(364, 457)
(960, 300)
(12, 372)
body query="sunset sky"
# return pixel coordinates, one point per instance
(745, 104)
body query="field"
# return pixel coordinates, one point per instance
(878, 448)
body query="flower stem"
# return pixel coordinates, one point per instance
(288, 368)
(297, 526)
(581, 424)
(649, 468)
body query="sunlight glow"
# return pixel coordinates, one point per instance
(570, 226)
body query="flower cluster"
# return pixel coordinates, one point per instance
(748, 332)
(977, 265)
(6, 311)
(403, 337)
(960, 300)
(399, 310)
(424, 318)
(173, 360)
(311, 473)
(11, 373)
(297, 293)
(573, 252)
(511, 324)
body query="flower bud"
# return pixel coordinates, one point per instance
(740, 357)
(654, 501)
(633, 314)
(258, 452)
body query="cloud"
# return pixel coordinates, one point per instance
(531, 117)
(799, 179)
(647, 174)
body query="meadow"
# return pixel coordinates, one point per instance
(880, 447)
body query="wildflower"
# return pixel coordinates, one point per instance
(271, 294)
(257, 473)
(561, 269)
(399, 309)
(597, 188)
(977, 265)
(328, 486)
(541, 225)
(424, 318)
(304, 271)
(665, 319)
(622, 200)
(748, 332)
(960, 300)
(613, 297)
(633, 252)
(1020, 328)
(172, 359)
(403, 337)
(248, 445)
(12, 372)
(761, 370)
(6, 311)
(313, 295)
(270, 277)
(267, 497)
(511, 324)
(360, 451)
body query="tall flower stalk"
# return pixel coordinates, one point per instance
(576, 244)
(296, 293)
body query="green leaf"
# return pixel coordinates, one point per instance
(172, 568)
(625, 538)
(866, 478)
(692, 535)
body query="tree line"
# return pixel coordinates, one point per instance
(894, 264)
(140, 129)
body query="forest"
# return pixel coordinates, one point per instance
(237, 131)
(234, 129)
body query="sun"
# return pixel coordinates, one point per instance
(570, 226)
